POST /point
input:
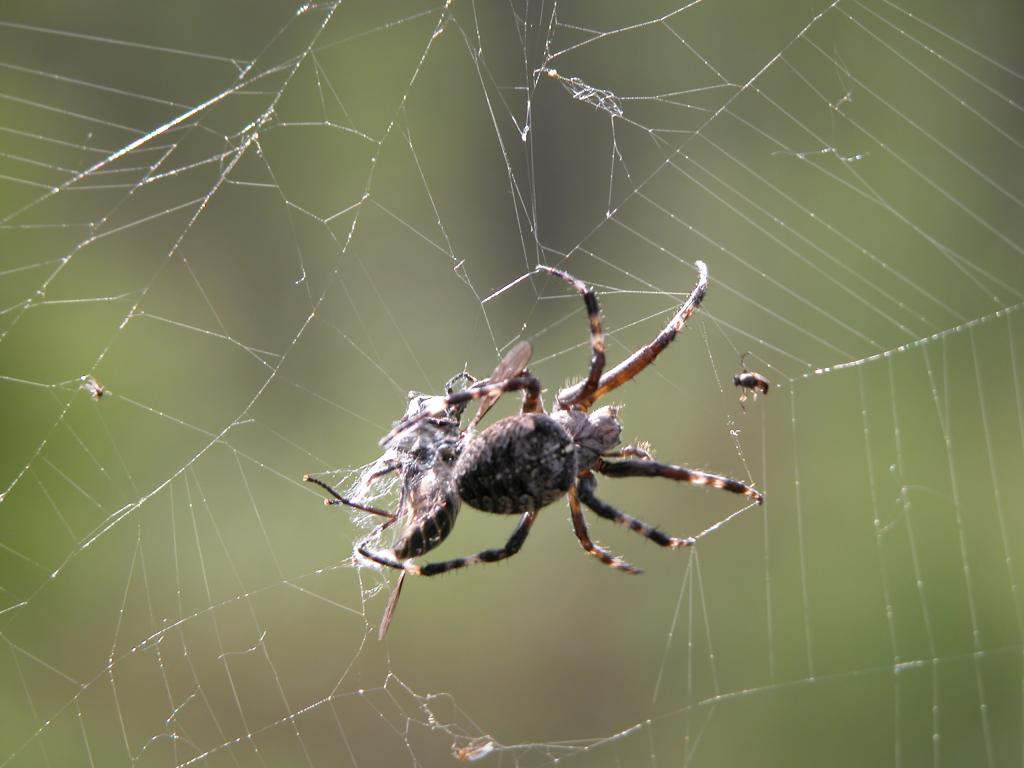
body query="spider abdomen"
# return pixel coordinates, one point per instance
(519, 463)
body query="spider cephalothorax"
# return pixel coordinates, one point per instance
(522, 463)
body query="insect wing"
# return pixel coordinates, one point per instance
(512, 364)
(389, 611)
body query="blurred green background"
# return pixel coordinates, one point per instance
(260, 281)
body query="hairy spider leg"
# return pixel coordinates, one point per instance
(588, 483)
(644, 356)
(465, 376)
(588, 386)
(579, 525)
(526, 381)
(629, 451)
(647, 468)
(513, 545)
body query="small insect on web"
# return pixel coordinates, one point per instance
(749, 381)
(522, 463)
(474, 750)
(95, 389)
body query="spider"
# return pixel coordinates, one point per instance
(523, 463)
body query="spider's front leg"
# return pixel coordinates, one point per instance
(583, 391)
(435, 406)
(635, 363)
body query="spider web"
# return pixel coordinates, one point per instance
(232, 239)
